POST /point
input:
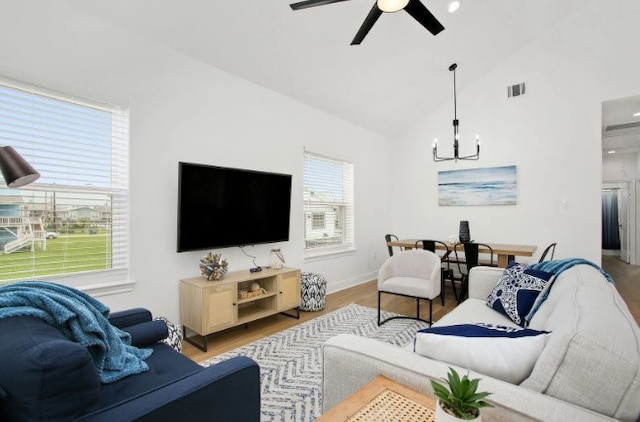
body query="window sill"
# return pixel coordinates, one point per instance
(317, 255)
(109, 288)
(101, 283)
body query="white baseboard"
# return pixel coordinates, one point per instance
(350, 282)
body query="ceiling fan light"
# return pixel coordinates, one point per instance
(390, 6)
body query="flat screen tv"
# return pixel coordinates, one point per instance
(222, 207)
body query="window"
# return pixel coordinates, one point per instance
(74, 219)
(317, 221)
(328, 204)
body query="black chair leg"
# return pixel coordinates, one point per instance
(464, 288)
(442, 277)
(453, 284)
(447, 273)
(417, 317)
(379, 294)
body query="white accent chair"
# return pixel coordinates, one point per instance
(411, 273)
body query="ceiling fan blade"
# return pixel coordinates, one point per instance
(371, 18)
(312, 3)
(420, 13)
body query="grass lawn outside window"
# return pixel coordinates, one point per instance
(69, 253)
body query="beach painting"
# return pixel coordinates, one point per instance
(479, 186)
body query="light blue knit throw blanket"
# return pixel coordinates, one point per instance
(560, 265)
(80, 318)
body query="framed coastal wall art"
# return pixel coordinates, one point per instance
(478, 186)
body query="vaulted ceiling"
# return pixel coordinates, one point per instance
(398, 74)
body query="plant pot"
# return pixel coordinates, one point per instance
(442, 416)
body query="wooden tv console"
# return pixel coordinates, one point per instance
(207, 307)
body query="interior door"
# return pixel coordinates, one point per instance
(623, 221)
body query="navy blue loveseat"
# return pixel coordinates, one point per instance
(46, 377)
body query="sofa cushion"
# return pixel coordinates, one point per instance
(472, 311)
(516, 291)
(165, 367)
(506, 353)
(43, 367)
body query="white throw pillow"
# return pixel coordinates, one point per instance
(505, 353)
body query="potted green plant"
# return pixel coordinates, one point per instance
(459, 399)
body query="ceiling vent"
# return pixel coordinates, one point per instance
(516, 90)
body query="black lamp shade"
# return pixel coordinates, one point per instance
(17, 172)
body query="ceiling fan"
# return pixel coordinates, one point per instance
(413, 7)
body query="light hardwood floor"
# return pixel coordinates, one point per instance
(627, 279)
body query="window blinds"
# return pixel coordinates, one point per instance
(80, 202)
(328, 203)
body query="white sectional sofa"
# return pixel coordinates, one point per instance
(589, 368)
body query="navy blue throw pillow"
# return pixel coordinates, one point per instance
(516, 292)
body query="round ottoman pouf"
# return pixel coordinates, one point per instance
(314, 292)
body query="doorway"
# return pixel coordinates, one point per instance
(621, 178)
(615, 220)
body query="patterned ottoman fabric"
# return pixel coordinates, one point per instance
(314, 291)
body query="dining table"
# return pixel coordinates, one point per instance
(505, 252)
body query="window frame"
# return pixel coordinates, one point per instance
(345, 206)
(103, 281)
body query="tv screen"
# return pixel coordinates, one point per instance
(221, 207)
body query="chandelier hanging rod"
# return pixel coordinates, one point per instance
(456, 123)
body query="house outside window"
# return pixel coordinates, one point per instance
(72, 223)
(328, 204)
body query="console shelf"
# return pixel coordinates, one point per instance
(207, 307)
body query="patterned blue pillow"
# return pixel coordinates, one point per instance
(516, 292)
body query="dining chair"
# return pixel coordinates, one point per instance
(551, 248)
(411, 273)
(471, 259)
(445, 270)
(391, 238)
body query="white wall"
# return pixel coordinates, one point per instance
(552, 135)
(183, 110)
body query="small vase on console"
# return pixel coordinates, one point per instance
(465, 234)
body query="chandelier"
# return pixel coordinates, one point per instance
(456, 122)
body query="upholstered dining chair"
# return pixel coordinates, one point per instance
(551, 248)
(470, 260)
(390, 238)
(412, 273)
(445, 269)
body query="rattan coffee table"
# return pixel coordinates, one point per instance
(383, 400)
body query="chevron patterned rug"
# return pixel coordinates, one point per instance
(291, 361)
